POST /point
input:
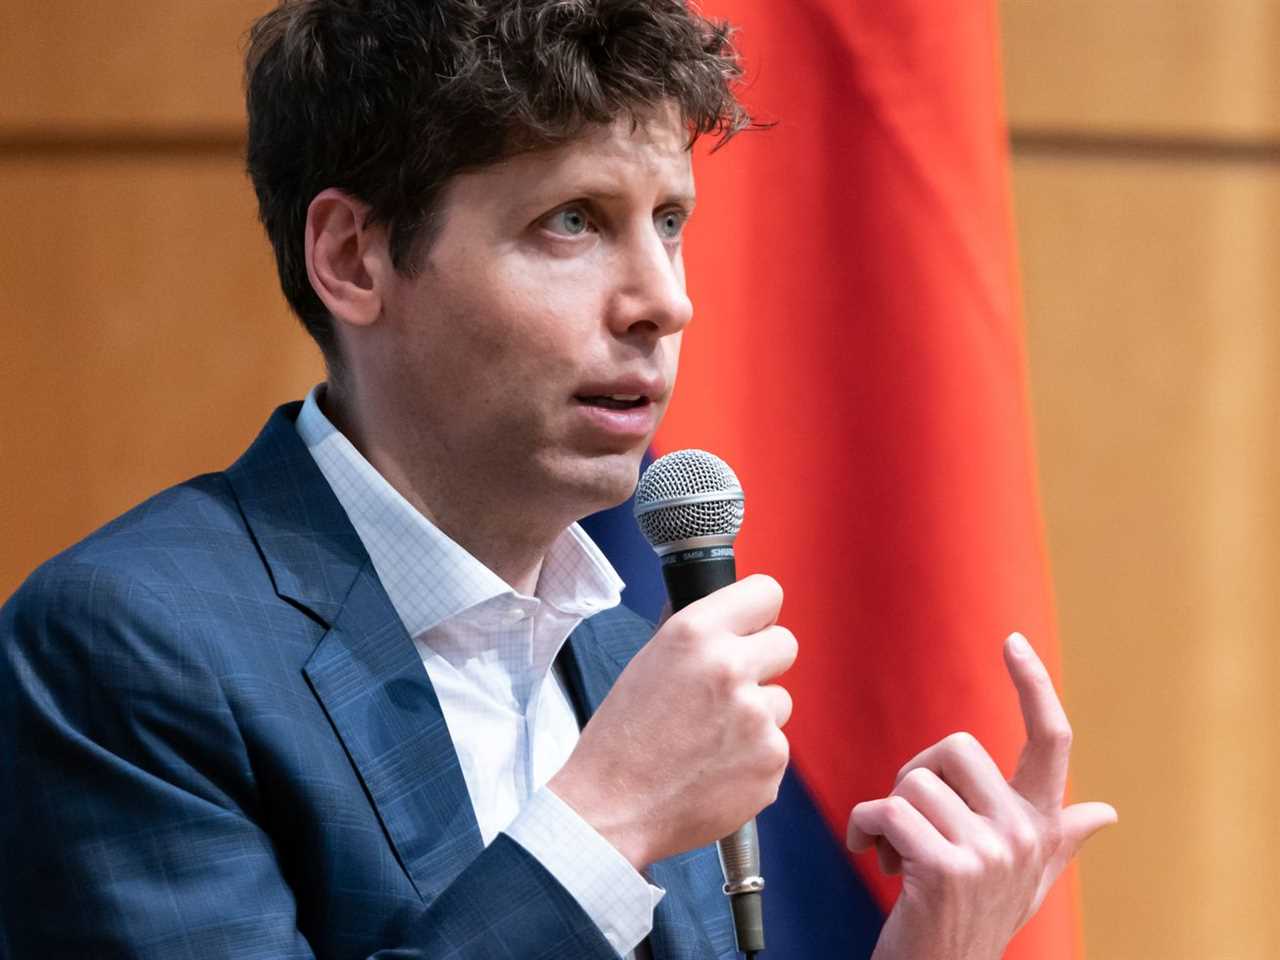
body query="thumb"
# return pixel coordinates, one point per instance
(1080, 821)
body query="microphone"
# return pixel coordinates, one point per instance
(689, 506)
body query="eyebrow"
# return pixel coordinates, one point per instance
(586, 191)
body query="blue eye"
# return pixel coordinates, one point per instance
(571, 221)
(670, 223)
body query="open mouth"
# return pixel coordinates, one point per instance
(615, 401)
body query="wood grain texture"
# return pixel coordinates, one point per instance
(144, 339)
(1190, 68)
(1151, 297)
(85, 65)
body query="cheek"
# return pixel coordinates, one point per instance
(554, 315)
(475, 320)
(517, 350)
(671, 356)
(520, 327)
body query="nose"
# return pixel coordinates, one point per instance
(649, 299)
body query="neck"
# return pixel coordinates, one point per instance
(501, 535)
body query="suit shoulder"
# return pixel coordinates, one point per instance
(189, 514)
(174, 587)
(132, 562)
(171, 541)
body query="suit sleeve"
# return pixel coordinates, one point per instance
(131, 825)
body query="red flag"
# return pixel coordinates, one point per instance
(857, 356)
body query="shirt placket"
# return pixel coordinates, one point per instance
(523, 636)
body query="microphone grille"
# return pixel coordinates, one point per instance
(688, 494)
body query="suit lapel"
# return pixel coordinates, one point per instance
(587, 672)
(376, 693)
(365, 671)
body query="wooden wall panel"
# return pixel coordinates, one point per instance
(1152, 294)
(1186, 68)
(144, 339)
(86, 66)
(1151, 299)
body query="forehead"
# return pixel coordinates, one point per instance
(632, 156)
(654, 142)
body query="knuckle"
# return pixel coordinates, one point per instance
(961, 743)
(1059, 735)
(769, 762)
(996, 854)
(918, 780)
(903, 772)
(973, 865)
(769, 587)
(771, 795)
(1024, 840)
(897, 810)
(783, 707)
(757, 717)
(781, 751)
(788, 641)
(725, 677)
(687, 627)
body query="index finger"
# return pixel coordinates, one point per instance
(767, 654)
(1041, 776)
(744, 607)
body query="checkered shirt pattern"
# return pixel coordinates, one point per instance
(489, 653)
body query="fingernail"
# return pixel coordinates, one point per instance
(1018, 645)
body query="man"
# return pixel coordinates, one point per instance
(368, 692)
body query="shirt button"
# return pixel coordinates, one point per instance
(513, 616)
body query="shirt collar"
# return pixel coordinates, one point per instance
(429, 577)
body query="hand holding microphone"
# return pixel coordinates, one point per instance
(687, 748)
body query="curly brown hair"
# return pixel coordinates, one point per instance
(388, 99)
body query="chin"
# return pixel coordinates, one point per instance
(605, 481)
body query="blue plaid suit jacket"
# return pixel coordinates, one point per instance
(217, 740)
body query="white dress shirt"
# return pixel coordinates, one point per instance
(489, 653)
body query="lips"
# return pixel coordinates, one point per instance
(615, 402)
(627, 393)
(622, 412)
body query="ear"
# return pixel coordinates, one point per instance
(345, 259)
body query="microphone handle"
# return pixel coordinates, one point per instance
(694, 573)
(691, 575)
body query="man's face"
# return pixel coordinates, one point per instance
(534, 353)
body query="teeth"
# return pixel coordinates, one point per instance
(624, 397)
